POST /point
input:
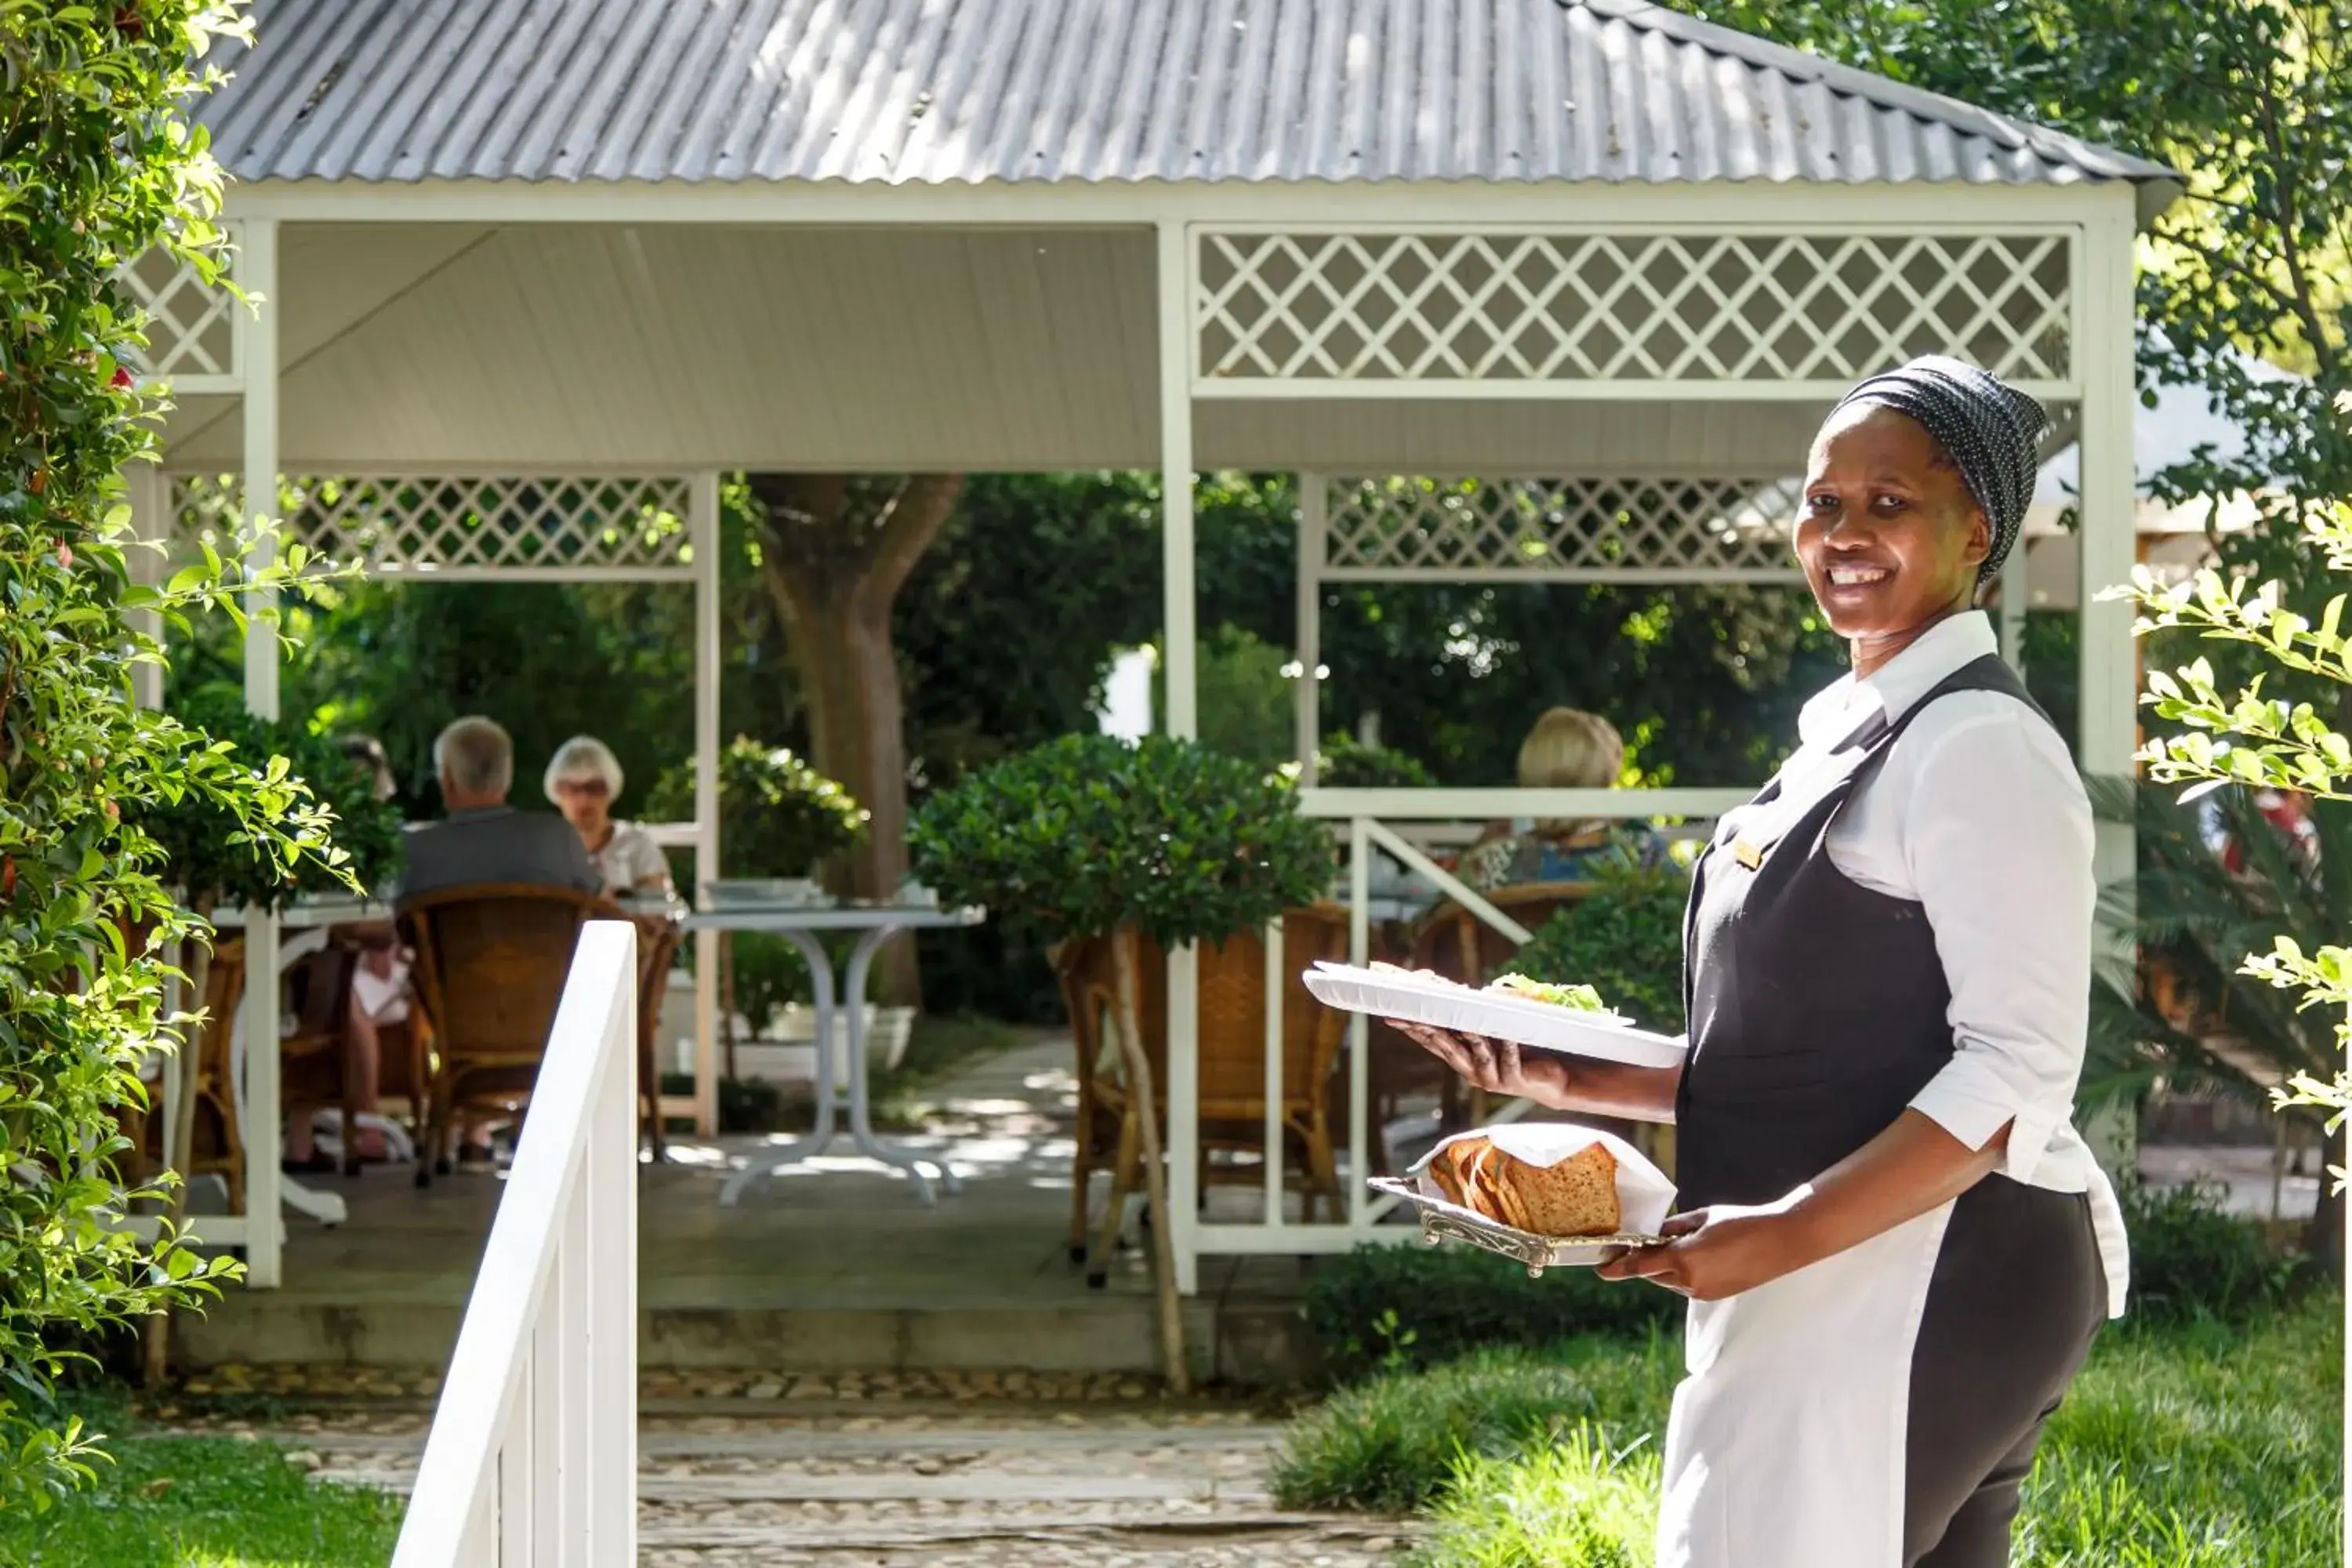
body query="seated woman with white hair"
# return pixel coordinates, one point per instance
(584, 779)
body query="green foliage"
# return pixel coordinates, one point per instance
(205, 1502)
(2190, 1260)
(1625, 940)
(215, 863)
(1243, 694)
(2186, 1445)
(1346, 762)
(2250, 735)
(1392, 1442)
(1398, 1307)
(778, 817)
(1086, 834)
(1579, 1502)
(2193, 920)
(97, 166)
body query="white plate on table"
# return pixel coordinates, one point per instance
(1604, 1035)
(790, 892)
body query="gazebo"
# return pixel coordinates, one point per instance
(533, 274)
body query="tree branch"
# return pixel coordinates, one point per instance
(2306, 304)
(905, 530)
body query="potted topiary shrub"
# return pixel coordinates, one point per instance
(211, 859)
(1345, 762)
(778, 817)
(1089, 838)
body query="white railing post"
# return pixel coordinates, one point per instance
(531, 1462)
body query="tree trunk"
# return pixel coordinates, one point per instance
(1124, 963)
(835, 552)
(2323, 1236)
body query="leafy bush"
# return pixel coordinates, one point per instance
(1626, 939)
(1580, 1503)
(778, 817)
(1346, 762)
(2182, 1446)
(98, 167)
(2191, 1260)
(213, 859)
(1383, 1308)
(1393, 1444)
(1086, 834)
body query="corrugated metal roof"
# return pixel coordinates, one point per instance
(976, 91)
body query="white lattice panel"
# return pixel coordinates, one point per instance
(1561, 307)
(1589, 529)
(577, 526)
(192, 326)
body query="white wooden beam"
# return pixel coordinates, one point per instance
(1306, 707)
(703, 528)
(256, 270)
(2108, 655)
(1178, 652)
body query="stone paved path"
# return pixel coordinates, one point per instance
(749, 1484)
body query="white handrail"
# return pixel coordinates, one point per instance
(532, 1458)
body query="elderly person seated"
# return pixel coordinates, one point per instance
(1568, 748)
(379, 999)
(484, 839)
(583, 779)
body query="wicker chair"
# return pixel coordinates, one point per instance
(1233, 1001)
(491, 966)
(656, 950)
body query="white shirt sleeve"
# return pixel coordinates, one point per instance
(1997, 840)
(634, 856)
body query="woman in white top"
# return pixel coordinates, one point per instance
(584, 779)
(1896, 1247)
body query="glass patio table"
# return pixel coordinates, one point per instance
(801, 923)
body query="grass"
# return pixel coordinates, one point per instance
(202, 1502)
(2197, 1445)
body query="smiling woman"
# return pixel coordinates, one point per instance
(1896, 1246)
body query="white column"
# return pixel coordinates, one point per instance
(1182, 720)
(2110, 675)
(1314, 502)
(703, 529)
(2013, 592)
(257, 272)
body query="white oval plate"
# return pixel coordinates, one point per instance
(1605, 1037)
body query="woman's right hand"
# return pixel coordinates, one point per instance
(1498, 1066)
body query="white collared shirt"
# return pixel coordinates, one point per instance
(1977, 814)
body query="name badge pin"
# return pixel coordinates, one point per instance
(1746, 854)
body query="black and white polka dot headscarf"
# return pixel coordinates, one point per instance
(1992, 431)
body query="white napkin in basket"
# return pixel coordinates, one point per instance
(1645, 1195)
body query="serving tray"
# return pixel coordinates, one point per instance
(1442, 1222)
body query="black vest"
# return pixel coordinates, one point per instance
(1817, 1007)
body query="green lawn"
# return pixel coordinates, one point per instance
(204, 1503)
(2196, 1447)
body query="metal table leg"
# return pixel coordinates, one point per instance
(819, 1139)
(861, 1122)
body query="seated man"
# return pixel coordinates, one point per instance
(484, 839)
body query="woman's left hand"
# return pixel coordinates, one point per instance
(1718, 1252)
